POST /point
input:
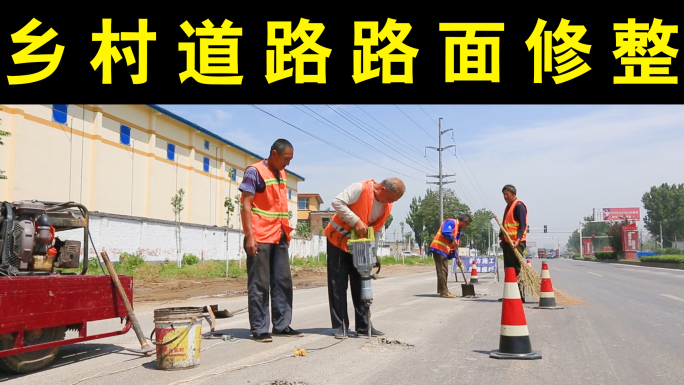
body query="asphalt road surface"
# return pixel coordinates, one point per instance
(629, 332)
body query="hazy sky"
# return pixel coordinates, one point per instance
(564, 160)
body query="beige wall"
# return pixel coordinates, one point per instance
(84, 161)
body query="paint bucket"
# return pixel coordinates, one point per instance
(178, 332)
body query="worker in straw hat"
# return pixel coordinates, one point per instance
(515, 224)
(444, 247)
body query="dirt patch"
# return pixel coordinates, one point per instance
(564, 299)
(382, 344)
(279, 382)
(172, 289)
(475, 296)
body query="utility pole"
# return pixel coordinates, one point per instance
(581, 245)
(441, 176)
(489, 240)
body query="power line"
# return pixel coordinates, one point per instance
(359, 139)
(471, 172)
(335, 146)
(471, 182)
(421, 108)
(339, 110)
(409, 118)
(392, 132)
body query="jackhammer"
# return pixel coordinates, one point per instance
(364, 252)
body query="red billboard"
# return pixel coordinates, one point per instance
(617, 214)
(588, 247)
(630, 239)
(608, 248)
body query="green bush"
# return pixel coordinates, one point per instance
(234, 270)
(663, 258)
(189, 259)
(669, 251)
(603, 255)
(130, 262)
(575, 256)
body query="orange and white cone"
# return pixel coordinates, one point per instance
(547, 300)
(514, 342)
(529, 263)
(473, 272)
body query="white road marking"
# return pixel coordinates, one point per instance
(673, 297)
(598, 275)
(646, 268)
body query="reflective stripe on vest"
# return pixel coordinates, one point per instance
(440, 242)
(510, 225)
(269, 212)
(338, 231)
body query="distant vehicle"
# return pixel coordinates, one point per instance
(407, 253)
(541, 253)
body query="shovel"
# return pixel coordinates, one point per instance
(466, 289)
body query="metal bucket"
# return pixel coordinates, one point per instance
(178, 332)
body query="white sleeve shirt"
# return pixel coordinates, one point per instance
(350, 196)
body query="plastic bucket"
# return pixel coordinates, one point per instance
(178, 333)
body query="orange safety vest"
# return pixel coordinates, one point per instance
(510, 225)
(441, 243)
(338, 231)
(269, 209)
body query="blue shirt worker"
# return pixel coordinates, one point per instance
(444, 247)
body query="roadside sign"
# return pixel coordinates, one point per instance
(617, 214)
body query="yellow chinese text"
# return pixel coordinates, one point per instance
(479, 53)
(25, 55)
(210, 49)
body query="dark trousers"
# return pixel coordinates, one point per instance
(442, 267)
(510, 260)
(268, 271)
(341, 271)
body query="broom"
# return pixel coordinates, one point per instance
(528, 278)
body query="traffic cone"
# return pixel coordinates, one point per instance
(473, 272)
(547, 300)
(529, 263)
(514, 342)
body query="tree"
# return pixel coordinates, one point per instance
(302, 229)
(228, 203)
(414, 219)
(615, 236)
(430, 208)
(388, 222)
(2, 135)
(588, 228)
(665, 206)
(423, 216)
(230, 207)
(479, 230)
(177, 204)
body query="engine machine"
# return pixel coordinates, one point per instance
(27, 238)
(40, 300)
